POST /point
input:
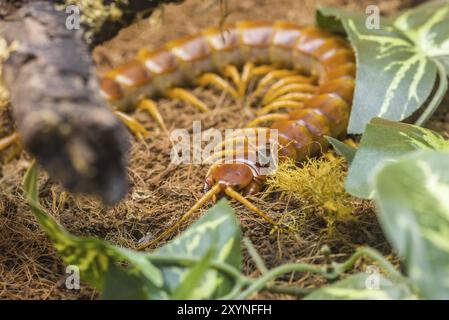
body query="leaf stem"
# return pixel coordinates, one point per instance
(255, 256)
(439, 94)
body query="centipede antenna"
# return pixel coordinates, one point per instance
(137, 128)
(217, 81)
(209, 195)
(9, 140)
(278, 105)
(266, 118)
(186, 96)
(151, 107)
(238, 197)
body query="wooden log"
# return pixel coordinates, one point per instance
(61, 118)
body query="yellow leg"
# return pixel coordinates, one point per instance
(273, 75)
(263, 70)
(329, 156)
(291, 88)
(246, 77)
(238, 197)
(151, 107)
(206, 197)
(289, 80)
(186, 96)
(350, 142)
(133, 125)
(217, 81)
(266, 118)
(280, 105)
(295, 96)
(9, 140)
(233, 73)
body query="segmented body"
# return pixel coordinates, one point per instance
(310, 49)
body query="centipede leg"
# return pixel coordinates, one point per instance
(272, 75)
(218, 82)
(266, 118)
(246, 77)
(206, 197)
(232, 72)
(284, 90)
(238, 197)
(150, 106)
(186, 96)
(350, 142)
(9, 140)
(133, 125)
(290, 80)
(287, 104)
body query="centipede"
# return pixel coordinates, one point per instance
(305, 78)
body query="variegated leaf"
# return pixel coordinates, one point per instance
(397, 64)
(95, 258)
(384, 141)
(412, 195)
(428, 27)
(215, 237)
(363, 286)
(220, 229)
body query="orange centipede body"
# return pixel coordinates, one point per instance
(316, 97)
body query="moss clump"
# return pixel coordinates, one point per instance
(318, 185)
(95, 13)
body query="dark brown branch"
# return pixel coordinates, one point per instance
(60, 115)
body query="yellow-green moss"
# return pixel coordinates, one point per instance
(318, 185)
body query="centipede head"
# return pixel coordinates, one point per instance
(238, 176)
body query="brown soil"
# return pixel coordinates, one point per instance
(29, 266)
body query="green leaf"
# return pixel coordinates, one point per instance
(362, 287)
(214, 238)
(412, 195)
(427, 26)
(219, 227)
(396, 64)
(94, 257)
(384, 141)
(193, 277)
(343, 149)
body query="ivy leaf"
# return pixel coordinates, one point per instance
(397, 64)
(412, 195)
(385, 141)
(220, 228)
(362, 286)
